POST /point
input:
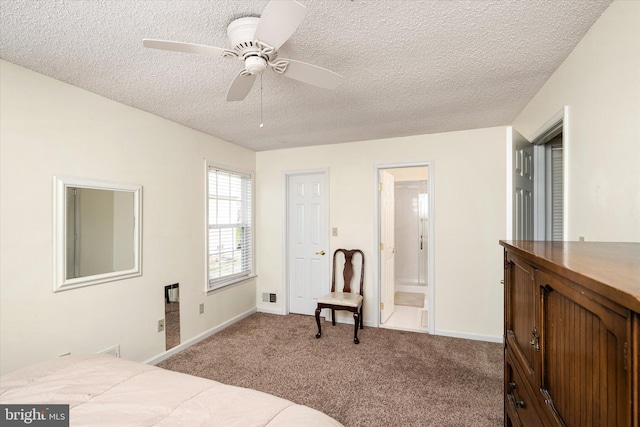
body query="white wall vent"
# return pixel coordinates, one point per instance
(268, 297)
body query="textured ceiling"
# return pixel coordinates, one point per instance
(410, 67)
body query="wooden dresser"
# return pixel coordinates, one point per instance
(572, 334)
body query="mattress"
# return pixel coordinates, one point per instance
(103, 390)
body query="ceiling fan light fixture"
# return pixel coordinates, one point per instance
(255, 65)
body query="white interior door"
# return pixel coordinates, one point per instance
(522, 187)
(307, 241)
(387, 245)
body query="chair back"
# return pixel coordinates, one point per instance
(347, 273)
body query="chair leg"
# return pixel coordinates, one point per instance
(333, 317)
(319, 334)
(361, 317)
(355, 327)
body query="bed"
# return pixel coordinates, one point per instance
(104, 390)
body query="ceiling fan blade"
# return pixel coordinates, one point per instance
(279, 21)
(187, 48)
(311, 74)
(240, 87)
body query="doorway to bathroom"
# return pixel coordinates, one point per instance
(405, 240)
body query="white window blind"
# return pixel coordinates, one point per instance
(230, 233)
(557, 193)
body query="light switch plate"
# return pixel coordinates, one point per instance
(334, 231)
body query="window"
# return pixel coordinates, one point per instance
(229, 227)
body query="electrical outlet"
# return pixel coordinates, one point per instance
(581, 239)
(201, 308)
(160, 325)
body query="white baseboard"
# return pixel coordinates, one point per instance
(270, 310)
(469, 336)
(408, 282)
(206, 334)
(453, 334)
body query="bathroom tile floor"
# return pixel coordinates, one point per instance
(405, 318)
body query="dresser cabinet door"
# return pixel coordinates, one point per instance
(584, 344)
(521, 332)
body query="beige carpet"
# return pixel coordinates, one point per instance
(392, 378)
(410, 299)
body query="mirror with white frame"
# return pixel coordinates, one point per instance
(97, 232)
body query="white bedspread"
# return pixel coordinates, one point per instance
(107, 391)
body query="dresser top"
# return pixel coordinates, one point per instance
(610, 269)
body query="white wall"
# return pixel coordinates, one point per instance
(600, 82)
(469, 215)
(50, 128)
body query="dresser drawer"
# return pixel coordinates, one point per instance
(520, 403)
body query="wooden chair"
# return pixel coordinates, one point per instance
(345, 300)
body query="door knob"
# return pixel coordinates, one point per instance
(320, 253)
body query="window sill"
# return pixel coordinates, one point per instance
(231, 284)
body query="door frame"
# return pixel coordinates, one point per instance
(559, 121)
(387, 242)
(285, 226)
(430, 240)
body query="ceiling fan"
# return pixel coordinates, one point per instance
(256, 41)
